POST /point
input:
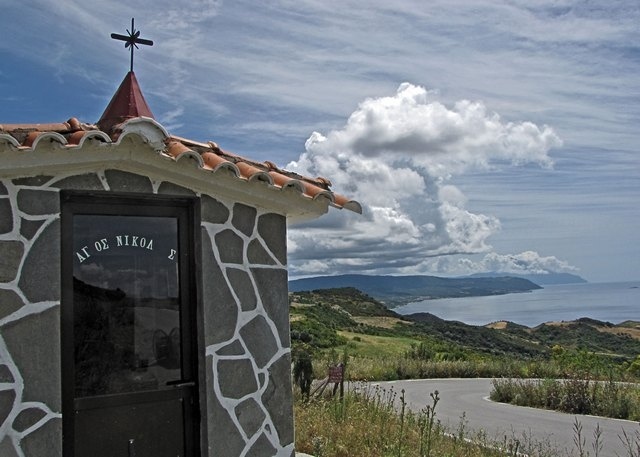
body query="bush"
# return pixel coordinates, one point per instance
(575, 396)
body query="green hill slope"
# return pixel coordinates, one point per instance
(331, 318)
(399, 290)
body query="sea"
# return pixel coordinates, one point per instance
(613, 302)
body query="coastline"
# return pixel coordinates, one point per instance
(613, 302)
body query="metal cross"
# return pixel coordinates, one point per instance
(132, 40)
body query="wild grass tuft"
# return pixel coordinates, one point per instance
(575, 395)
(374, 422)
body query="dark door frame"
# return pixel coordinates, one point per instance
(187, 210)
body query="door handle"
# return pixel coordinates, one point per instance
(180, 383)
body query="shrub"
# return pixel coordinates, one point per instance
(575, 396)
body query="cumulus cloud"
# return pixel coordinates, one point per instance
(413, 126)
(528, 262)
(398, 155)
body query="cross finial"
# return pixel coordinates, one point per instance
(132, 40)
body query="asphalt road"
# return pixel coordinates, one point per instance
(532, 427)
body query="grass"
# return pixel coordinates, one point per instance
(377, 347)
(386, 322)
(390, 365)
(575, 396)
(376, 344)
(374, 422)
(386, 346)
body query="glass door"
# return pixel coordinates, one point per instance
(130, 378)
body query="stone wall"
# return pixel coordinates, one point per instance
(244, 340)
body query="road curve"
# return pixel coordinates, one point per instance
(497, 420)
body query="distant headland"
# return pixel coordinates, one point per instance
(400, 290)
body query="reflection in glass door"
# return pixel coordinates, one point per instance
(127, 319)
(126, 304)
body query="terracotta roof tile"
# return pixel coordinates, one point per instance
(210, 156)
(129, 113)
(175, 148)
(213, 161)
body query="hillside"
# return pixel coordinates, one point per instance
(399, 290)
(546, 279)
(330, 318)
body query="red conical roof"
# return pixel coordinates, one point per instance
(128, 102)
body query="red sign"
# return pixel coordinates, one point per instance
(336, 373)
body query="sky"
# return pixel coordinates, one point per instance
(478, 135)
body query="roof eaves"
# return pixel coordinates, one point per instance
(208, 157)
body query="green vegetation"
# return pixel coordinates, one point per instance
(366, 423)
(575, 396)
(383, 345)
(373, 422)
(378, 344)
(399, 290)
